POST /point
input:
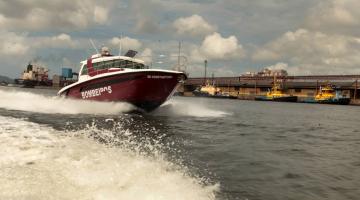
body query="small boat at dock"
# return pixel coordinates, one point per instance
(206, 90)
(277, 94)
(211, 91)
(328, 95)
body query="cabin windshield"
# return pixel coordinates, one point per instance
(114, 64)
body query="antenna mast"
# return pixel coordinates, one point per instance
(120, 47)
(178, 65)
(205, 65)
(92, 43)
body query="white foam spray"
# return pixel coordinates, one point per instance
(182, 107)
(26, 101)
(38, 162)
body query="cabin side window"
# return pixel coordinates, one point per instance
(103, 65)
(96, 66)
(135, 65)
(120, 64)
(84, 70)
(139, 66)
(128, 64)
(113, 64)
(108, 64)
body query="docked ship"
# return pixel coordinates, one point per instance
(206, 90)
(34, 75)
(328, 95)
(105, 77)
(277, 94)
(210, 90)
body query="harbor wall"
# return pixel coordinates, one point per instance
(247, 87)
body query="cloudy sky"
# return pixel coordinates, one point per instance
(235, 36)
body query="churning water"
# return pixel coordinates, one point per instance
(190, 148)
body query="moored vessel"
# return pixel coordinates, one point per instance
(328, 95)
(206, 90)
(105, 77)
(210, 90)
(276, 94)
(34, 75)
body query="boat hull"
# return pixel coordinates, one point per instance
(339, 101)
(145, 90)
(278, 99)
(223, 97)
(216, 96)
(201, 94)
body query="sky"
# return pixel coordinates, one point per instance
(304, 37)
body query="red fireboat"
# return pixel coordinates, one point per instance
(104, 77)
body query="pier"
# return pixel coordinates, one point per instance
(247, 87)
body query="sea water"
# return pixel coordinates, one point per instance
(190, 148)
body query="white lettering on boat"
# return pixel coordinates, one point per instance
(96, 92)
(158, 77)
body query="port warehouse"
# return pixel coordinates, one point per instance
(247, 87)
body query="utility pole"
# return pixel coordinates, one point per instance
(356, 87)
(205, 63)
(255, 86)
(212, 79)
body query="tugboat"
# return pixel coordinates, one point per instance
(206, 90)
(277, 94)
(327, 95)
(105, 77)
(212, 91)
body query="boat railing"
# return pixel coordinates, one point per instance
(170, 62)
(154, 62)
(111, 66)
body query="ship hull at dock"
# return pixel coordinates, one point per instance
(146, 90)
(278, 99)
(216, 96)
(340, 101)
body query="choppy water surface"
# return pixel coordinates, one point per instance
(190, 148)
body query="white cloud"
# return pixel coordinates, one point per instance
(193, 25)
(52, 15)
(278, 66)
(335, 16)
(216, 47)
(146, 19)
(100, 14)
(146, 55)
(127, 43)
(265, 54)
(197, 70)
(13, 44)
(329, 43)
(60, 41)
(313, 52)
(222, 71)
(17, 49)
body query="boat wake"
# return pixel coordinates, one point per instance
(26, 101)
(30, 102)
(182, 107)
(39, 162)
